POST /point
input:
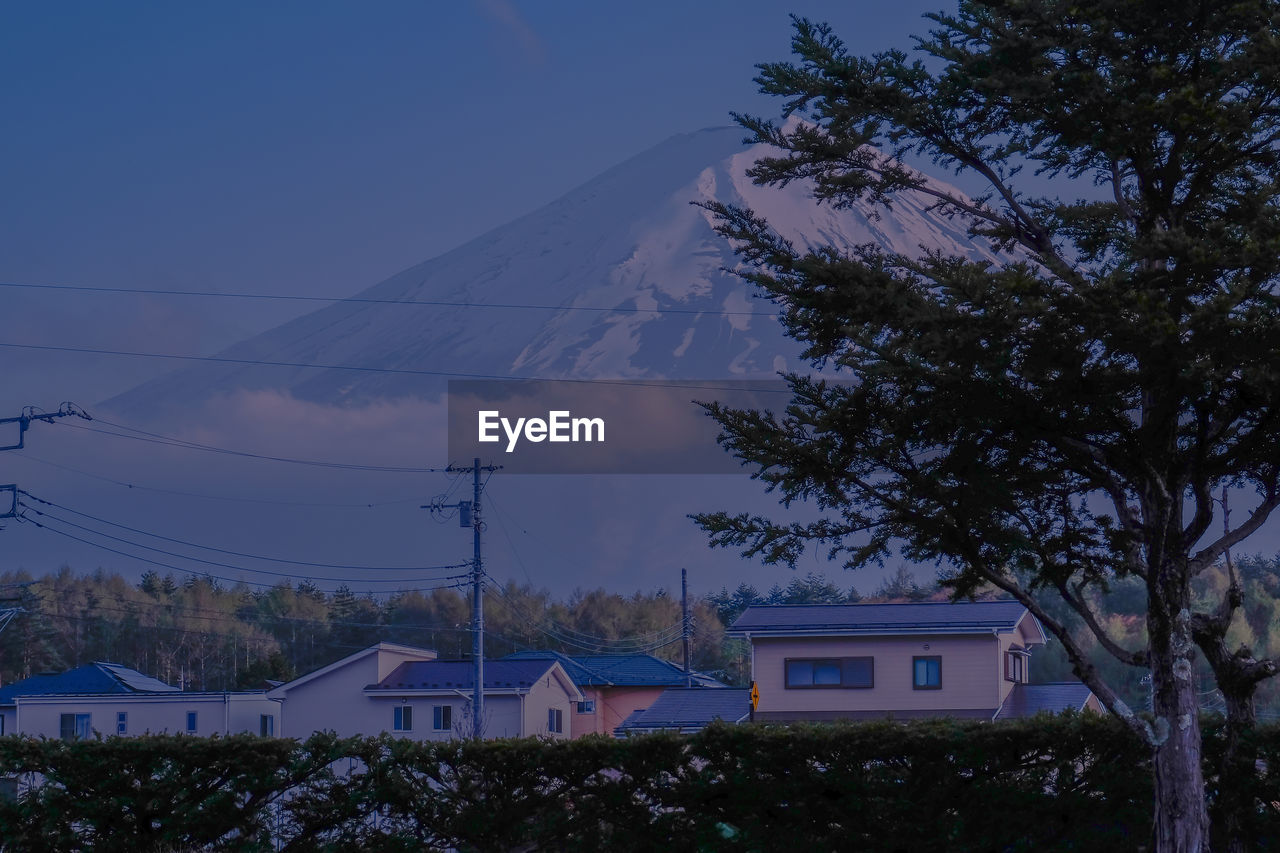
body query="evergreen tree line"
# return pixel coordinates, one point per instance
(205, 635)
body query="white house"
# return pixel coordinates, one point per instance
(109, 699)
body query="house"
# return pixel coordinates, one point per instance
(431, 700)
(615, 686)
(406, 691)
(687, 710)
(109, 699)
(331, 698)
(864, 661)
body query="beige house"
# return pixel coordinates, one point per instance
(864, 661)
(407, 692)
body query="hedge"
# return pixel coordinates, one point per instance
(1072, 782)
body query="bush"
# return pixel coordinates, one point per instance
(1072, 782)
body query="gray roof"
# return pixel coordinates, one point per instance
(460, 675)
(931, 617)
(689, 709)
(1027, 700)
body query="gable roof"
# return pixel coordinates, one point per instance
(281, 689)
(1027, 700)
(454, 675)
(98, 678)
(619, 670)
(689, 709)
(926, 617)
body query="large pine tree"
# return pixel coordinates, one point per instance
(1066, 418)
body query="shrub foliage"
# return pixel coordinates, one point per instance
(1066, 783)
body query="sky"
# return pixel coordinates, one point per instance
(315, 149)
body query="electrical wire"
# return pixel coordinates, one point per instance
(368, 300)
(135, 434)
(189, 544)
(232, 498)
(44, 526)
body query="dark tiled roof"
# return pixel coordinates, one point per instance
(94, 678)
(619, 670)
(1027, 700)
(689, 709)
(872, 619)
(460, 675)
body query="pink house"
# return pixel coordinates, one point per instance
(614, 687)
(863, 661)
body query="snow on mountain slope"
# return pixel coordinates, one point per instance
(627, 239)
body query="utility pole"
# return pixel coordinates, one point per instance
(469, 515)
(30, 414)
(11, 606)
(684, 625)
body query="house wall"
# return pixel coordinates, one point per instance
(502, 715)
(548, 692)
(335, 700)
(167, 713)
(970, 678)
(613, 705)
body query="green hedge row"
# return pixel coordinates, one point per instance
(1066, 783)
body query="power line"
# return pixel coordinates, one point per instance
(261, 585)
(135, 434)
(232, 498)
(189, 544)
(368, 300)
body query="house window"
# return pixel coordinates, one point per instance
(442, 718)
(192, 721)
(926, 672)
(1015, 667)
(555, 720)
(267, 725)
(587, 707)
(122, 722)
(73, 726)
(804, 673)
(402, 718)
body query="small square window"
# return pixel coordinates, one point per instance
(402, 718)
(192, 722)
(122, 722)
(587, 707)
(442, 718)
(267, 725)
(926, 672)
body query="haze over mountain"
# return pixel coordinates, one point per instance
(629, 239)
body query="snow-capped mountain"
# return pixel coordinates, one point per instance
(627, 239)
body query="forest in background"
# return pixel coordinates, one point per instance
(204, 635)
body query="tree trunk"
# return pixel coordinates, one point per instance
(1181, 817)
(1238, 769)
